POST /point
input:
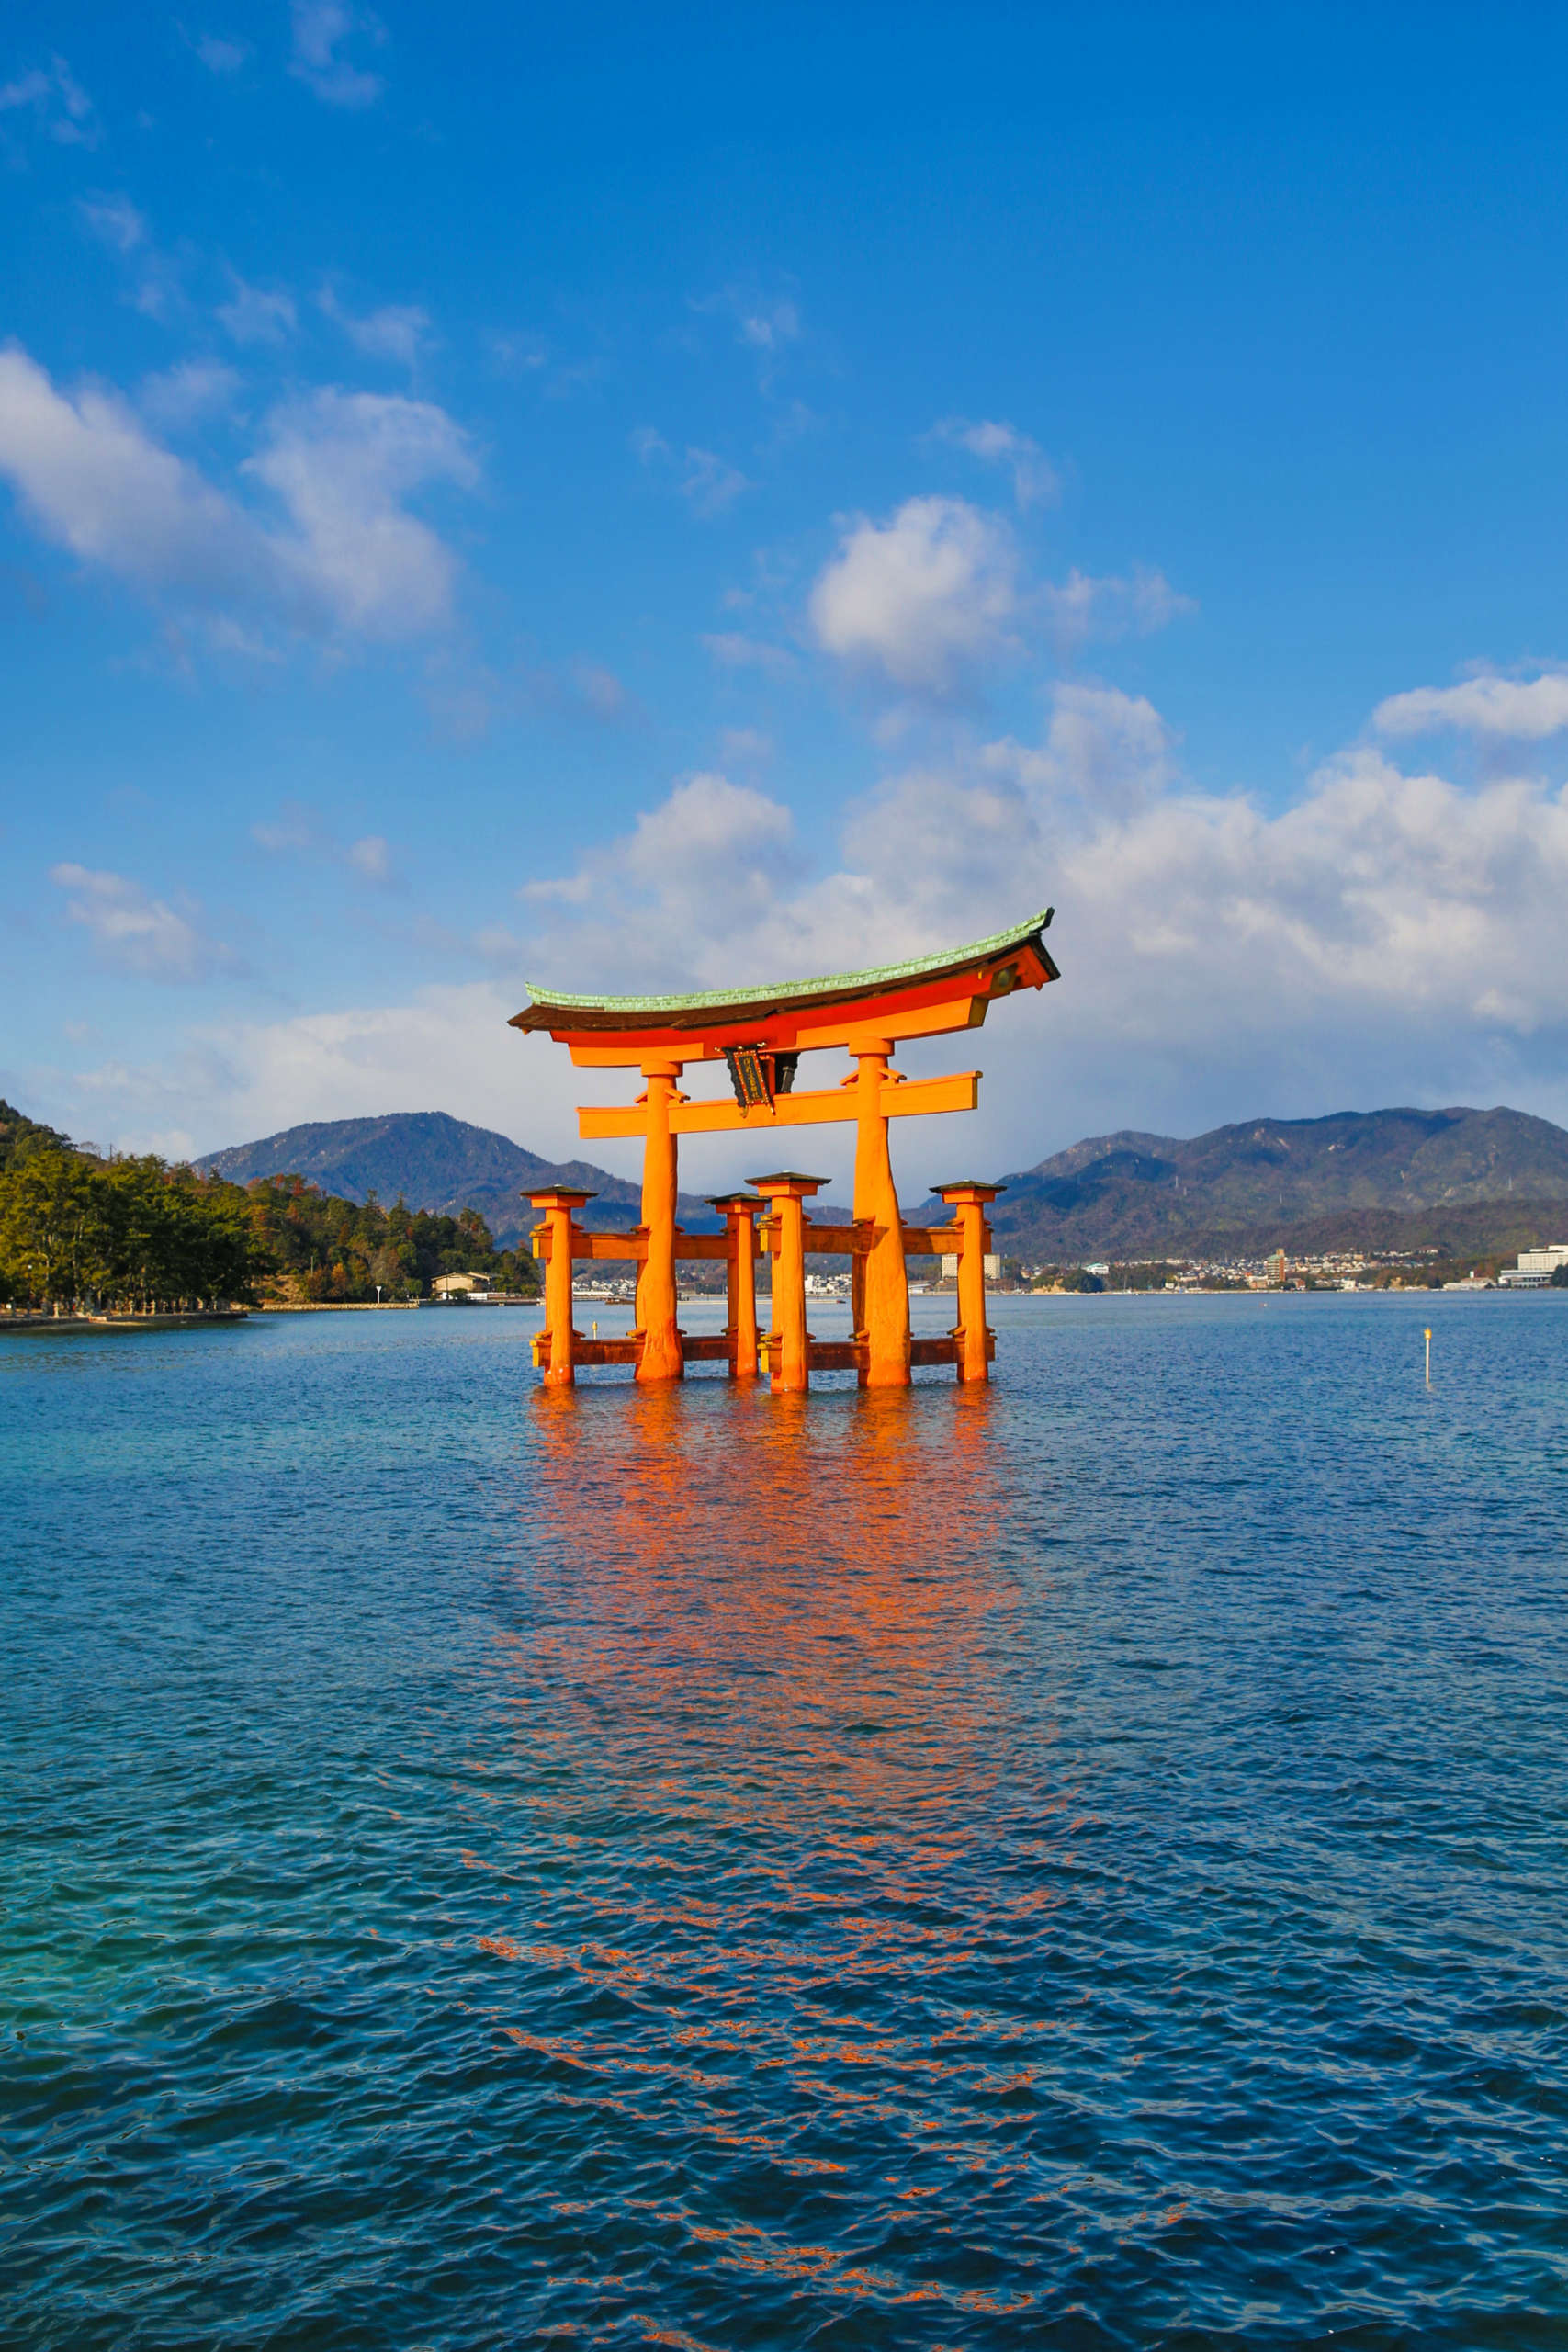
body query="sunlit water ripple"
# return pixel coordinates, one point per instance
(1080, 1865)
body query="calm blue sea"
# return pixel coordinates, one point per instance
(1082, 1864)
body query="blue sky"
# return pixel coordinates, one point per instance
(650, 497)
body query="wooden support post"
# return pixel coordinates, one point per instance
(555, 1357)
(969, 1202)
(661, 1357)
(790, 1355)
(740, 1211)
(881, 1285)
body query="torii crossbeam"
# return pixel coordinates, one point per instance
(761, 1033)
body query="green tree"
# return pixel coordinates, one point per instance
(56, 1237)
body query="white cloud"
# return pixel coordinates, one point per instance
(1082, 608)
(350, 558)
(115, 222)
(1104, 751)
(924, 598)
(397, 332)
(1036, 481)
(95, 483)
(322, 29)
(1517, 710)
(692, 874)
(341, 463)
(133, 933)
(256, 315)
(56, 101)
(1391, 936)
(371, 858)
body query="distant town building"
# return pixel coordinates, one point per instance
(1536, 1267)
(950, 1267)
(452, 1287)
(1274, 1267)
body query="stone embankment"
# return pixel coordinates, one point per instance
(26, 1321)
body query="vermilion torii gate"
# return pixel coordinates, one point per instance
(761, 1033)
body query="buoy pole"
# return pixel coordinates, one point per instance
(1428, 1355)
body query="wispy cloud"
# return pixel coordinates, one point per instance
(182, 395)
(115, 222)
(153, 277)
(300, 832)
(135, 933)
(1082, 608)
(371, 858)
(732, 651)
(1036, 481)
(397, 332)
(323, 31)
(256, 314)
(709, 483)
(56, 101)
(765, 325)
(221, 53)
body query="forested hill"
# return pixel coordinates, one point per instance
(1133, 1195)
(435, 1162)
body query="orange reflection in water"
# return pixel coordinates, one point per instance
(774, 1847)
(805, 1580)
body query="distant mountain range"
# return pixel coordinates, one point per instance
(1466, 1180)
(435, 1162)
(1390, 1179)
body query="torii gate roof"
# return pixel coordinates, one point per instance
(923, 996)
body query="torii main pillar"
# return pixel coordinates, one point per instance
(881, 1284)
(661, 1357)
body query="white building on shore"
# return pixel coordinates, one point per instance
(1536, 1267)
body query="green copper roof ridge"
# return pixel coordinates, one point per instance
(782, 990)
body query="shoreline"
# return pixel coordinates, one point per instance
(154, 1322)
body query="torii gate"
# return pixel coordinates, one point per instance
(762, 1033)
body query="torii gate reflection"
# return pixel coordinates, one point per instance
(761, 1034)
(701, 1640)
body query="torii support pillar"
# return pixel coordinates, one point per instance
(661, 1357)
(881, 1292)
(970, 1202)
(789, 1344)
(553, 1351)
(739, 1213)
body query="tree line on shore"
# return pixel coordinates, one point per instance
(83, 1231)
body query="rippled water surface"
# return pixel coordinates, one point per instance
(1080, 1864)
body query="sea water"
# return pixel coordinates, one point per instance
(1077, 1863)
